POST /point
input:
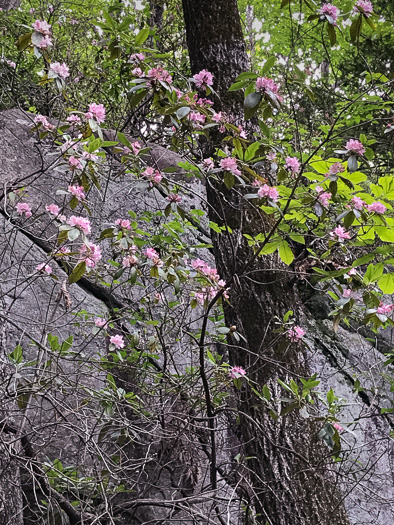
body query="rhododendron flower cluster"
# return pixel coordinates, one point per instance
(41, 119)
(74, 163)
(385, 309)
(236, 372)
(340, 233)
(90, 254)
(208, 164)
(357, 203)
(292, 164)
(365, 7)
(295, 333)
(197, 118)
(61, 70)
(355, 146)
(203, 79)
(136, 57)
(376, 207)
(96, 111)
(99, 322)
(174, 197)
(41, 26)
(153, 175)
(44, 268)
(80, 222)
(23, 208)
(331, 11)
(137, 72)
(130, 260)
(323, 197)
(152, 254)
(204, 102)
(267, 191)
(230, 164)
(158, 73)
(338, 427)
(44, 43)
(123, 223)
(117, 341)
(74, 119)
(78, 192)
(271, 156)
(336, 168)
(53, 209)
(89, 156)
(264, 84)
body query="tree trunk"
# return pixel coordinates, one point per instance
(10, 483)
(292, 479)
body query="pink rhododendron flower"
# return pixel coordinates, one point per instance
(357, 203)
(217, 117)
(336, 168)
(90, 254)
(355, 146)
(292, 164)
(129, 260)
(323, 197)
(64, 250)
(98, 112)
(53, 209)
(340, 233)
(271, 156)
(41, 26)
(41, 119)
(338, 427)
(74, 163)
(364, 6)
(74, 119)
(117, 340)
(230, 164)
(236, 372)
(352, 271)
(61, 70)
(80, 222)
(264, 84)
(197, 118)
(8, 62)
(158, 73)
(137, 72)
(44, 268)
(45, 43)
(347, 293)
(69, 144)
(385, 309)
(123, 223)
(203, 79)
(136, 57)
(151, 253)
(89, 156)
(174, 197)
(99, 322)
(153, 175)
(208, 164)
(78, 192)
(377, 207)
(295, 333)
(23, 208)
(271, 193)
(330, 10)
(204, 102)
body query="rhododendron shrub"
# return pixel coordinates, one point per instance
(327, 212)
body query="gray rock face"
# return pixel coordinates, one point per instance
(34, 305)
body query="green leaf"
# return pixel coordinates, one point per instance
(77, 273)
(369, 153)
(331, 33)
(285, 252)
(238, 85)
(374, 271)
(229, 179)
(386, 283)
(182, 112)
(355, 29)
(24, 41)
(142, 36)
(385, 234)
(266, 392)
(73, 234)
(251, 151)
(251, 104)
(247, 75)
(122, 138)
(269, 64)
(17, 355)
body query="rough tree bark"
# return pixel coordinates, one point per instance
(292, 479)
(9, 4)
